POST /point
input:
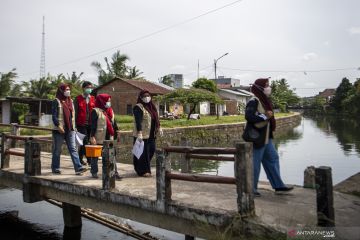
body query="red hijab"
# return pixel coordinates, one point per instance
(100, 102)
(150, 107)
(258, 89)
(66, 104)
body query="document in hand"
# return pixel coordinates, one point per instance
(138, 148)
(79, 138)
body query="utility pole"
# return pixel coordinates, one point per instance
(198, 75)
(215, 63)
(42, 58)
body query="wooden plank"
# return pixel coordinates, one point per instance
(15, 153)
(202, 150)
(200, 178)
(212, 157)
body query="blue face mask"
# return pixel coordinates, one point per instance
(108, 104)
(87, 91)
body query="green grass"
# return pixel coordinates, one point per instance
(126, 122)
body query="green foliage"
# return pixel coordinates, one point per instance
(116, 68)
(191, 96)
(343, 95)
(204, 83)
(167, 80)
(7, 82)
(282, 96)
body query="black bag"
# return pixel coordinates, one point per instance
(251, 134)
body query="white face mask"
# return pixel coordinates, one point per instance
(108, 104)
(67, 93)
(267, 91)
(146, 99)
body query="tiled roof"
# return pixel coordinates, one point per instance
(153, 88)
(327, 92)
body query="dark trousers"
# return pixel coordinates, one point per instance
(142, 165)
(84, 130)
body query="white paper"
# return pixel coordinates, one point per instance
(138, 148)
(79, 138)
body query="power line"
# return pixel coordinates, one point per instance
(292, 71)
(144, 36)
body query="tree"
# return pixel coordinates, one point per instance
(134, 73)
(204, 83)
(116, 68)
(191, 96)
(6, 82)
(42, 88)
(343, 91)
(167, 81)
(282, 96)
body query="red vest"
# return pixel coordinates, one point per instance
(81, 114)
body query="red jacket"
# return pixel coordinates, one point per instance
(81, 110)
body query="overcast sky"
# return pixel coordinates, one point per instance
(264, 38)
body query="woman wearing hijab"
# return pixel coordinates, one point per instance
(146, 127)
(259, 113)
(63, 117)
(103, 127)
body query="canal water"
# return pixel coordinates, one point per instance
(317, 141)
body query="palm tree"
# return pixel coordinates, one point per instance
(42, 88)
(116, 68)
(134, 73)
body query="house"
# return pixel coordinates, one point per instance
(224, 82)
(328, 94)
(235, 99)
(39, 110)
(124, 93)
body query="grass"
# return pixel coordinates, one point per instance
(126, 122)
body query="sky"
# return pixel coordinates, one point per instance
(312, 44)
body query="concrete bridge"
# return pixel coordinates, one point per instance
(210, 207)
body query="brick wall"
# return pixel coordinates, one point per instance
(231, 107)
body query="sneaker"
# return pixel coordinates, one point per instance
(117, 177)
(147, 175)
(83, 163)
(283, 190)
(257, 194)
(56, 171)
(81, 171)
(94, 175)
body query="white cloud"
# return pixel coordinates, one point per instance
(309, 56)
(354, 30)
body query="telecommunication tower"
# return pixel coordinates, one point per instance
(42, 58)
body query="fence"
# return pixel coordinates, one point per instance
(243, 171)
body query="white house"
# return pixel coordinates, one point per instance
(241, 97)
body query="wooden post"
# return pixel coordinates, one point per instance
(243, 169)
(32, 158)
(108, 168)
(71, 215)
(32, 167)
(5, 158)
(309, 177)
(163, 185)
(188, 237)
(185, 162)
(324, 197)
(15, 130)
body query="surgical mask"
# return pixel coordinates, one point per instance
(67, 93)
(108, 104)
(146, 99)
(87, 91)
(267, 91)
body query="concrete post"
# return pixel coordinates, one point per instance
(324, 197)
(71, 215)
(243, 169)
(108, 168)
(15, 130)
(185, 163)
(5, 158)
(309, 177)
(163, 185)
(32, 167)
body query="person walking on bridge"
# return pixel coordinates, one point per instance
(103, 127)
(146, 128)
(63, 117)
(84, 104)
(259, 113)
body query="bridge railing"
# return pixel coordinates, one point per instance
(243, 172)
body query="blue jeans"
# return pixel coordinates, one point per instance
(268, 156)
(58, 139)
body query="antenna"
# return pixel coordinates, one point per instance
(42, 58)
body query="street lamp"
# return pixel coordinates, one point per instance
(215, 62)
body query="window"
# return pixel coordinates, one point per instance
(129, 109)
